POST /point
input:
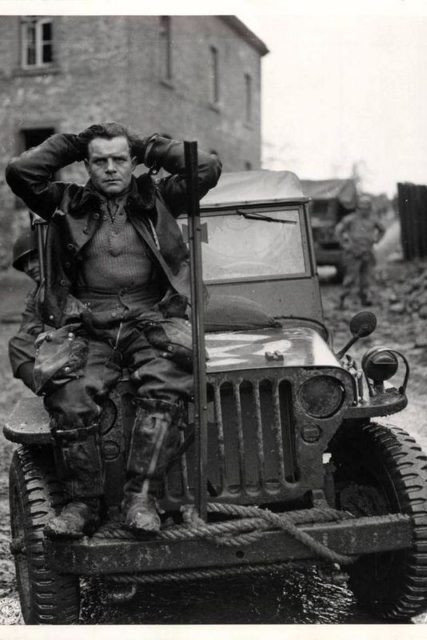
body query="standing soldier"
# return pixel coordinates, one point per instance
(357, 233)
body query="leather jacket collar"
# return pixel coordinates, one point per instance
(141, 196)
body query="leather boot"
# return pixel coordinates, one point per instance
(154, 441)
(77, 519)
(141, 513)
(79, 465)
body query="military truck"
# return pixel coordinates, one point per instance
(295, 463)
(331, 200)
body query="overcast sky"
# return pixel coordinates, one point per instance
(340, 90)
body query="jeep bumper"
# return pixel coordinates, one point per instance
(114, 556)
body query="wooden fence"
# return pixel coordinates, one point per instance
(412, 202)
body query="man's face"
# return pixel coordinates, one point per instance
(110, 165)
(32, 267)
(364, 205)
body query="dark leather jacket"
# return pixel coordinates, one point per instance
(73, 212)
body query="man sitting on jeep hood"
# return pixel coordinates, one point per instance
(116, 285)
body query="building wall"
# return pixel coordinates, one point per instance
(185, 103)
(110, 68)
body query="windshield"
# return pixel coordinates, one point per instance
(236, 246)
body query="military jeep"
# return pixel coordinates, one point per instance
(293, 466)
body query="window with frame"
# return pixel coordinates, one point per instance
(32, 137)
(166, 48)
(37, 42)
(214, 75)
(248, 97)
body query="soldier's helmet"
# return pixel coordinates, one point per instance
(25, 245)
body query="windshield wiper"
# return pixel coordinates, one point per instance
(261, 216)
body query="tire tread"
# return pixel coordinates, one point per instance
(52, 598)
(406, 468)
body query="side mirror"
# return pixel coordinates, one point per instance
(361, 325)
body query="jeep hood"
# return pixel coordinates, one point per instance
(300, 347)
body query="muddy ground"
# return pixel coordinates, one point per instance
(301, 597)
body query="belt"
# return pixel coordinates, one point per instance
(134, 293)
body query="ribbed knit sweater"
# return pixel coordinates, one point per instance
(116, 257)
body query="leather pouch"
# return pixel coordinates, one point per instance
(61, 355)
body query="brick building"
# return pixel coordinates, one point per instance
(194, 77)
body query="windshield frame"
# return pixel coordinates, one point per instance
(266, 210)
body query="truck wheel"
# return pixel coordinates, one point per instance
(46, 597)
(381, 469)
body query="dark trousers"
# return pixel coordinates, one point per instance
(114, 337)
(81, 363)
(359, 274)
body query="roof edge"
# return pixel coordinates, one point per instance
(237, 25)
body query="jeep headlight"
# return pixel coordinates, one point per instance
(379, 364)
(321, 396)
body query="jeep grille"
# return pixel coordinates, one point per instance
(251, 442)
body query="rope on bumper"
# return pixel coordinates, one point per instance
(284, 523)
(247, 529)
(198, 574)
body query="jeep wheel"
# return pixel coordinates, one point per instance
(381, 469)
(46, 597)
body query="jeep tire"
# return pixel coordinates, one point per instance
(46, 596)
(381, 469)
